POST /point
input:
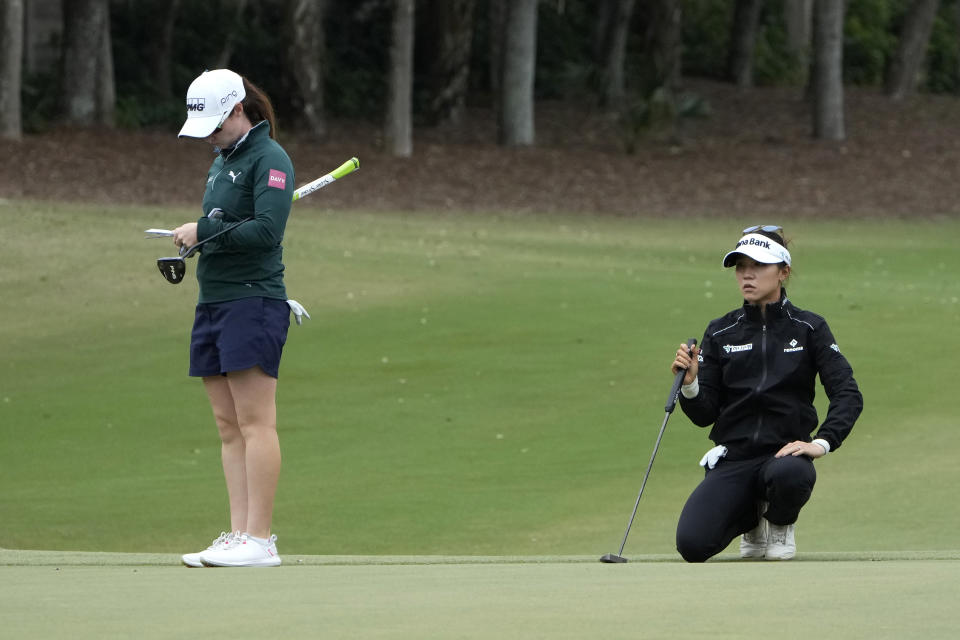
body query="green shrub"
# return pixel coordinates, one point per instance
(943, 55)
(706, 37)
(869, 41)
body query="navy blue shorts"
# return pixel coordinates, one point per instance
(238, 335)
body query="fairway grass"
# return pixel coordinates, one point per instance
(893, 596)
(481, 385)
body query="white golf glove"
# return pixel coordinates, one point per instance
(712, 457)
(298, 311)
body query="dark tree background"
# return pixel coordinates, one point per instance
(127, 62)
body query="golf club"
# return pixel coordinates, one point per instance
(671, 404)
(346, 168)
(174, 268)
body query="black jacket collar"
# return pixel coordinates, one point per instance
(774, 311)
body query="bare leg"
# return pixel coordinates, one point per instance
(254, 397)
(232, 449)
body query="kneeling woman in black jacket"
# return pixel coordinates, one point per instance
(752, 378)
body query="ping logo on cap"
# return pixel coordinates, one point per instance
(195, 104)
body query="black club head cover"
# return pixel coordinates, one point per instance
(173, 269)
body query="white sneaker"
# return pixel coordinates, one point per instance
(222, 542)
(781, 544)
(753, 544)
(243, 552)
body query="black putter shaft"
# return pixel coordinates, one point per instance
(671, 404)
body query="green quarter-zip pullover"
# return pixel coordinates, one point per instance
(253, 178)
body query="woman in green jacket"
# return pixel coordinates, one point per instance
(242, 315)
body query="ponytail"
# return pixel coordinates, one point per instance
(258, 108)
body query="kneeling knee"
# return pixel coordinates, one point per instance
(693, 549)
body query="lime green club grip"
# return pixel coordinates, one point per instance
(346, 168)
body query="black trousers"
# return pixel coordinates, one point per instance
(727, 502)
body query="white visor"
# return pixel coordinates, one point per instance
(210, 99)
(759, 248)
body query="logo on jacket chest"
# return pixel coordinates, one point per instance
(734, 348)
(793, 346)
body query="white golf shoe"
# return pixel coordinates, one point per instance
(222, 542)
(753, 544)
(243, 552)
(781, 543)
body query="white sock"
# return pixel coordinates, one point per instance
(263, 542)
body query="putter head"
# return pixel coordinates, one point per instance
(172, 269)
(612, 558)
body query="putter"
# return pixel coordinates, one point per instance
(617, 558)
(174, 268)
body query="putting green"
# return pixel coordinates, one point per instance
(894, 595)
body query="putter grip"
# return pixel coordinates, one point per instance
(678, 381)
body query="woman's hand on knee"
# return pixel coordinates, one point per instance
(801, 448)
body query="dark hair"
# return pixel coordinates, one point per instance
(773, 235)
(257, 106)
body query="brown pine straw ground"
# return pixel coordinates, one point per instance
(752, 158)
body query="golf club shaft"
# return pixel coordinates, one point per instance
(191, 250)
(671, 403)
(644, 483)
(346, 168)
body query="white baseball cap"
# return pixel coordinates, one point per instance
(210, 99)
(760, 248)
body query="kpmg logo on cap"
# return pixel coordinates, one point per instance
(195, 104)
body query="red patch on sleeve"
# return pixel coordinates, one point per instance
(277, 179)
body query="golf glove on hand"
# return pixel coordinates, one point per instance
(298, 311)
(712, 457)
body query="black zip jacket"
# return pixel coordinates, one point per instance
(757, 381)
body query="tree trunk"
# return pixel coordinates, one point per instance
(399, 126)
(905, 68)
(601, 29)
(450, 31)
(163, 48)
(43, 35)
(743, 40)
(667, 45)
(498, 19)
(798, 15)
(519, 66)
(226, 51)
(828, 70)
(84, 59)
(615, 53)
(955, 23)
(307, 61)
(11, 54)
(106, 96)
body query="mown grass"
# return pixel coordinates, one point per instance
(898, 598)
(468, 385)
